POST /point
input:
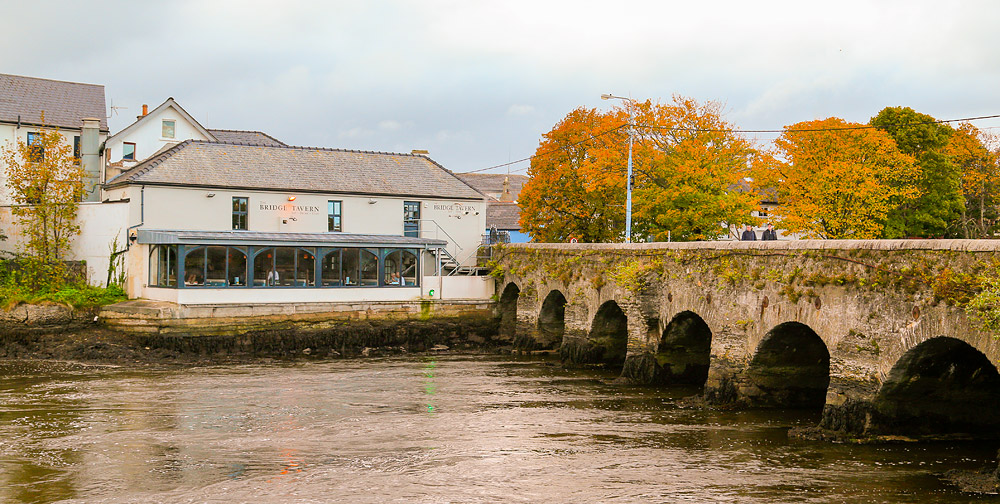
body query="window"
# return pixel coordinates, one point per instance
(399, 267)
(263, 268)
(76, 146)
(411, 219)
(369, 267)
(168, 128)
(333, 216)
(163, 266)
(194, 267)
(237, 267)
(37, 150)
(305, 268)
(284, 267)
(350, 270)
(215, 274)
(128, 150)
(240, 213)
(221, 266)
(330, 275)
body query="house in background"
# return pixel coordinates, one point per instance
(503, 213)
(76, 109)
(157, 130)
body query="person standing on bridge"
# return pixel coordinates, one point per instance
(769, 233)
(749, 235)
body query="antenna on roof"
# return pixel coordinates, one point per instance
(114, 109)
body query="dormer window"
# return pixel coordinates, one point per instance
(168, 128)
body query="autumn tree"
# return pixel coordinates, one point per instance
(969, 150)
(686, 163)
(571, 193)
(937, 210)
(46, 184)
(839, 180)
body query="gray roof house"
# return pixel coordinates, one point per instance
(65, 104)
(195, 163)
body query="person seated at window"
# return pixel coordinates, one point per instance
(193, 278)
(272, 277)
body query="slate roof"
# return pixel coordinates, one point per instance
(503, 216)
(65, 104)
(493, 182)
(246, 137)
(197, 163)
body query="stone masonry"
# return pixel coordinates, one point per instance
(770, 324)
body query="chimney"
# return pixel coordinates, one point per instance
(419, 152)
(90, 158)
(506, 195)
(145, 111)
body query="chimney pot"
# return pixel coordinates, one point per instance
(145, 109)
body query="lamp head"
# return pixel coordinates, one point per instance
(606, 96)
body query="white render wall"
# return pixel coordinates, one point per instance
(10, 134)
(192, 209)
(100, 224)
(148, 137)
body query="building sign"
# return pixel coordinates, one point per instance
(454, 207)
(289, 208)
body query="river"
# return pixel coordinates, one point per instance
(435, 429)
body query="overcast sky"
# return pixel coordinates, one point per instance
(477, 83)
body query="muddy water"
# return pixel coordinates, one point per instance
(421, 429)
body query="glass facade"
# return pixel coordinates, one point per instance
(220, 266)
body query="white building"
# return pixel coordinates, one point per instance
(213, 222)
(75, 109)
(161, 128)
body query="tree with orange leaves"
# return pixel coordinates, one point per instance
(969, 150)
(687, 163)
(839, 180)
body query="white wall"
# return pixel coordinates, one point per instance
(148, 138)
(201, 295)
(10, 134)
(171, 208)
(100, 224)
(459, 287)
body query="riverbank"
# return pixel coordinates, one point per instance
(138, 333)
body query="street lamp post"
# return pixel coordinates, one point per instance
(628, 181)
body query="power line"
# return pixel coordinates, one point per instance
(562, 148)
(721, 130)
(797, 130)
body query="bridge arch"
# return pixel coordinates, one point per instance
(684, 349)
(790, 369)
(606, 343)
(552, 320)
(941, 386)
(507, 311)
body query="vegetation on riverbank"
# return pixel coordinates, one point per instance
(77, 295)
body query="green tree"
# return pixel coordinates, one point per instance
(46, 185)
(938, 210)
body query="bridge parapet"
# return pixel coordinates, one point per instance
(763, 324)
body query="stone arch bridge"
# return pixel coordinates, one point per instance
(875, 333)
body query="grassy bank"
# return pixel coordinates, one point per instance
(79, 296)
